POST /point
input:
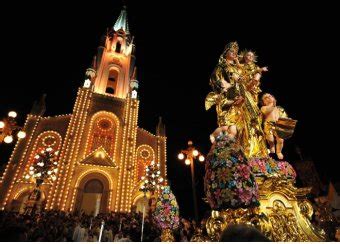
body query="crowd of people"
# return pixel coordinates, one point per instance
(118, 227)
(62, 226)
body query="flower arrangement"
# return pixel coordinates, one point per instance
(229, 182)
(269, 166)
(166, 213)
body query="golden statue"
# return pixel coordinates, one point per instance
(274, 116)
(252, 189)
(235, 104)
(252, 72)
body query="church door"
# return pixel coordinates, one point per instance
(92, 197)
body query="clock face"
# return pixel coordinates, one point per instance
(87, 83)
(134, 94)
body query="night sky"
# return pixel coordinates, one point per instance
(46, 48)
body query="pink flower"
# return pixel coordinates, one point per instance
(262, 166)
(245, 195)
(282, 167)
(217, 193)
(244, 170)
(166, 211)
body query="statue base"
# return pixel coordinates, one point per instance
(284, 213)
(167, 236)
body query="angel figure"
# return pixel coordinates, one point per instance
(277, 125)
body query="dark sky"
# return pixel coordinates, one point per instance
(46, 48)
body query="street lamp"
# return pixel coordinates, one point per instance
(192, 153)
(8, 127)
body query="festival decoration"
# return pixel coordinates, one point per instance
(45, 166)
(229, 182)
(166, 213)
(152, 179)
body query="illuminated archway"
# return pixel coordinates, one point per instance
(81, 192)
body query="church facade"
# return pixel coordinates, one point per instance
(102, 151)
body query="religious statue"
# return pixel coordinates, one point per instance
(235, 105)
(226, 93)
(240, 174)
(274, 116)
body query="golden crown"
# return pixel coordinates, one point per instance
(232, 46)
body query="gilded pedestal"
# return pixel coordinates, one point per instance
(284, 213)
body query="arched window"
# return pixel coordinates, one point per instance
(118, 47)
(112, 82)
(103, 134)
(110, 90)
(145, 154)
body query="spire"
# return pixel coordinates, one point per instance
(39, 107)
(160, 129)
(122, 22)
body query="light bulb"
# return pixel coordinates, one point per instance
(37, 157)
(180, 156)
(201, 158)
(27, 177)
(8, 139)
(2, 124)
(187, 161)
(31, 168)
(39, 174)
(12, 114)
(49, 172)
(21, 134)
(195, 153)
(49, 149)
(55, 170)
(31, 172)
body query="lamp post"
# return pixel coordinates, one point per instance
(8, 127)
(188, 155)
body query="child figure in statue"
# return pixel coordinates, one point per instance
(272, 113)
(252, 72)
(223, 129)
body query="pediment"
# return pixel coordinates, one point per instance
(99, 157)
